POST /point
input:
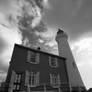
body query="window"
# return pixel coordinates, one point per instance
(17, 81)
(53, 61)
(13, 74)
(16, 87)
(34, 79)
(18, 78)
(33, 57)
(55, 80)
(74, 65)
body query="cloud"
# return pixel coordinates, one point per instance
(75, 16)
(10, 32)
(10, 37)
(46, 4)
(3, 45)
(7, 6)
(82, 51)
(86, 74)
(79, 4)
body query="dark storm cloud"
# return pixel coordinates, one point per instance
(75, 16)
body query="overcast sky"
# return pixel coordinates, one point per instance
(73, 16)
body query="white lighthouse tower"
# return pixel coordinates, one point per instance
(65, 51)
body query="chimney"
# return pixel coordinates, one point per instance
(38, 48)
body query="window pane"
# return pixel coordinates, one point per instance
(34, 79)
(55, 80)
(18, 78)
(33, 57)
(53, 61)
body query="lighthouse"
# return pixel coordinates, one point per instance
(64, 50)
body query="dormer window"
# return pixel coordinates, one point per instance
(33, 57)
(53, 62)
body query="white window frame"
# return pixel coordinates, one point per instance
(12, 78)
(36, 57)
(17, 81)
(55, 80)
(18, 78)
(36, 79)
(27, 77)
(16, 87)
(55, 61)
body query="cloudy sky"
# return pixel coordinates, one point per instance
(73, 16)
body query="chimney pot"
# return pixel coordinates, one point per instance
(38, 48)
